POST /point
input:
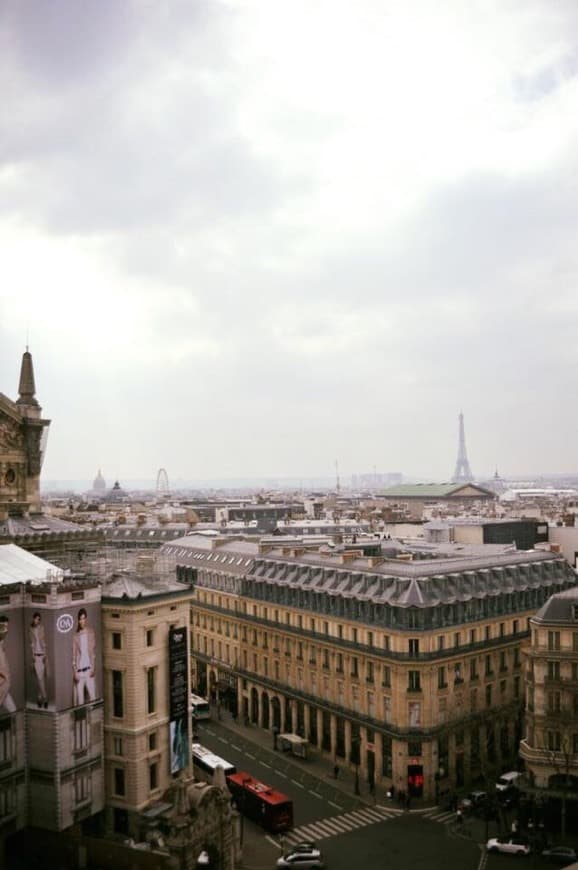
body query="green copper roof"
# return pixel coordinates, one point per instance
(430, 490)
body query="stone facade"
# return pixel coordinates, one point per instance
(550, 745)
(145, 800)
(410, 670)
(22, 435)
(51, 760)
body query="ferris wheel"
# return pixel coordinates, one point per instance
(162, 482)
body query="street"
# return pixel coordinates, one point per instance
(350, 832)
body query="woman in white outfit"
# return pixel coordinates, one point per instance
(39, 661)
(83, 660)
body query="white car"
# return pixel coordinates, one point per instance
(509, 845)
(305, 855)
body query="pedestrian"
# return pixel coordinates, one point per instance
(459, 818)
(392, 791)
(335, 771)
(408, 801)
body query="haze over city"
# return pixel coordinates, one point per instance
(245, 239)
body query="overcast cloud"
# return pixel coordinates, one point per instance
(250, 238)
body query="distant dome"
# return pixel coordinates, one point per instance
(117, 493)
(99, 484)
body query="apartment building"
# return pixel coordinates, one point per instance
(51, 708)
(410, 670)
(151, 794)
(550, 744)
(145, 625)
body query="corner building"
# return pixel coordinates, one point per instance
(411, 670)
(138, 615)
(550, 744)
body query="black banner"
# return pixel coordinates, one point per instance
(178, 698)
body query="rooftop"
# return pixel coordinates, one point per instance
(560, 608)
(20, 566)
(433, 490)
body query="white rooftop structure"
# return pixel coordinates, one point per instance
(20, 566)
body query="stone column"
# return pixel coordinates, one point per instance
(363, 753)
(319, 713)
(378, 752)
(294, 717)
(347, 740)
(307, 719)
(333, 728)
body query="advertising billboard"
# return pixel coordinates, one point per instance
(12, 679)
(178, 698)
(63, 654)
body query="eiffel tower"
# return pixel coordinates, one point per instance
(463, 472)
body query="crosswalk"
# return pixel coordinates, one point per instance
(438, 815)
(335, 825)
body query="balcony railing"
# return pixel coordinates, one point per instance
(372, 650)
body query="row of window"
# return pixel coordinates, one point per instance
(326, 658)
(424, 618)
(347, 633)
(555, 640)
(119, 779)
(118, 743)
(117, 638)
(456, 672)
(118, 705)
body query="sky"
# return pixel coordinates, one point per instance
(247, 238)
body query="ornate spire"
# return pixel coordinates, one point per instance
(26, 388)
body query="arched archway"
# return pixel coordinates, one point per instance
(265, 710)
(276, 712)
(254, 713)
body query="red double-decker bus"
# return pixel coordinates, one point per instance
(269, 808)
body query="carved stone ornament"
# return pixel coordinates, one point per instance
(10, 434)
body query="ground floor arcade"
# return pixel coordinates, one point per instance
(453, 756)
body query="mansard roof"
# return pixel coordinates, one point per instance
(424, 583)
(477, 572)
(560, 609)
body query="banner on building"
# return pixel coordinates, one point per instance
(178, 698)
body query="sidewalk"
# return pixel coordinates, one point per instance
(318, 766)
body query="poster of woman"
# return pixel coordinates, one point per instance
(83, 661)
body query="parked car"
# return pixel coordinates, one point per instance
(305, 855)
(507, 780)
(509, 845)
(561, 855)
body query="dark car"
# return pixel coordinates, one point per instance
(473, 802)
(508, 798)
(560, 855)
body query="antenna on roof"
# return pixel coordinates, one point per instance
(337, 477)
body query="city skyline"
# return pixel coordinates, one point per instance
(247, 239)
